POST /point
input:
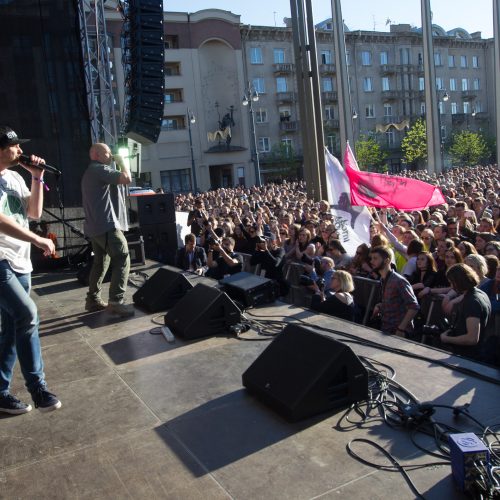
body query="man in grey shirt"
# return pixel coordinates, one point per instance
(105, 220)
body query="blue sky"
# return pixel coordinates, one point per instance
(358, 14)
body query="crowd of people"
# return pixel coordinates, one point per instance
(449, 252)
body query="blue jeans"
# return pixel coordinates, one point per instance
(18, 330)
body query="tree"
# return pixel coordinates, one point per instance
(414, 144)
(468, 148)
(284, 160)
(369, 154)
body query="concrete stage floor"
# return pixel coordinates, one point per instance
(142, 418)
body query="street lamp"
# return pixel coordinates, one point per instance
(191, 119)
(249, 97)
(445, 98)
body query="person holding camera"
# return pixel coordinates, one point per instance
(196, 217)
(227, 261)
(337, 301)
(466, 335)
(270, 257)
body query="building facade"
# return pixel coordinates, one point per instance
(212, 61)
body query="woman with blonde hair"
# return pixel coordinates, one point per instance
(338, 300)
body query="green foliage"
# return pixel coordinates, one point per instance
(284, 160)
(414, 144)
(468, 148)
(369, 154)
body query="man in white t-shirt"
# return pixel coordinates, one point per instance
(18, 313)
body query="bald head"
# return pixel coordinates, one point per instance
(100, 152)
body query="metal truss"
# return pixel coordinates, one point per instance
(97, 71)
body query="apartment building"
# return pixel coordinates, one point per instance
(212, 61)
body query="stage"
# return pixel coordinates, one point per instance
(143, 418)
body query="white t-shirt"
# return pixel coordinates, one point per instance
(14, 197)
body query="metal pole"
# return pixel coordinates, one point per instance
(343, 91)
(256, 162)
(434, 163)
(193, 167)
(316, 96)
(496, 33)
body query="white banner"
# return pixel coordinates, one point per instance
(353, 223)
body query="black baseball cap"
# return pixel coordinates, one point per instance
(9, 138)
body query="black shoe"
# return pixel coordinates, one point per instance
(44, 400)
(10, 404)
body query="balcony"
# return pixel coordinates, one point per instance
(285, 96)
(388, 69)
(469, 95)
(481, 115)
(390, 95)
(286, 126)
(329, 96)
(327, 69)
(458, 118)
(331, 123)
(283, 68)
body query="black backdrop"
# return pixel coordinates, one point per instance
(42, 88)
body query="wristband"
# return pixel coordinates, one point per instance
(41, 181)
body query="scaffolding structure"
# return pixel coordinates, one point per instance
(97, 70)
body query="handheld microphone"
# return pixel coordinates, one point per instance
(48, 168)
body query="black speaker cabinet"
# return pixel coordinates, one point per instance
(303, 373)
(160, 242)
(202, 312)
(249, 289)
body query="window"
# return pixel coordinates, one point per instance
(240, 173)
(261, 115)
(329, 113)
(441, 107)
(173, 123)
(466, 107)
(327, 83)
(176, 181)
(384, 58)
(476, 84)
(331, 143)
(437, 59)
(288, 143)
(439, 83)
(256, 55)
(465, 84)
(454, 108)
(370, 111)
(385, 84)
(453, 84)
(478, 107)
(422, 108)
(173, 95)
(451, 61)
(285, 113)
(279, 56)
(281, 85)
(475, 61)
(259, 85)
(405, 56)
(172, 69)
(366, 58)
(326, 57)
(387, 110)
(348, 57)
(463, 61)
(171, 42)
(368, 84)
(264, 145)
(421, 83)
(390, 137)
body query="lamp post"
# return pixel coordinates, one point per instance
(445, 98)
(249, 97)
(191, 119)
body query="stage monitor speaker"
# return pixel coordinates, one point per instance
(155, 209)
(202, 312)
(160, 242)
(162, 290)
(303, 373)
